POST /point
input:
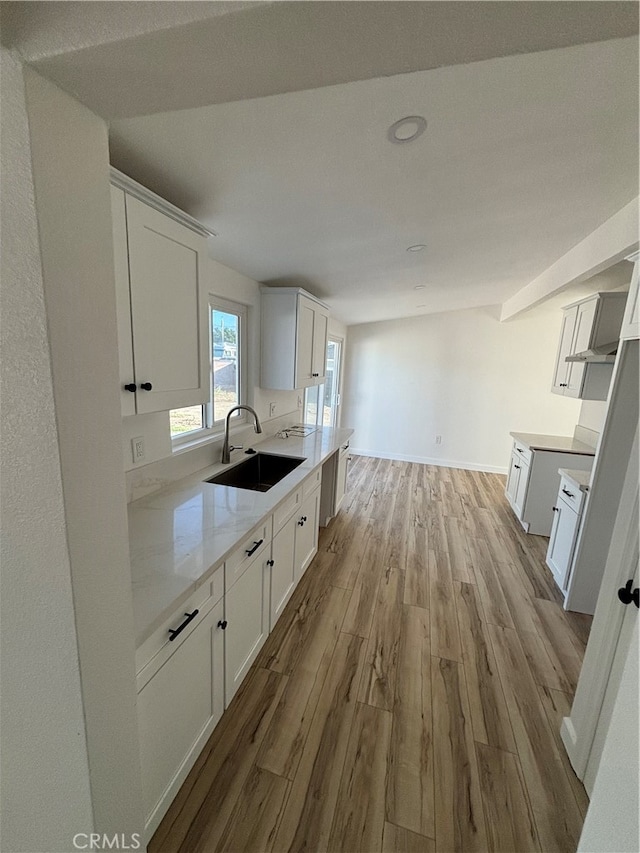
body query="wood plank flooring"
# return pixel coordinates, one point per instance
(410, 697)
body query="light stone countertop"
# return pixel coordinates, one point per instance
(553, 443)
(178, 535)
(580, 479)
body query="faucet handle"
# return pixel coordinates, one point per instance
(236, 447)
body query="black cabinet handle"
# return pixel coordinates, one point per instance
(303, 518)
(568, 494)
(555, 508)
(271, 562)
(146, 386)
(626, 595)
(517, 466)
(173, 632)
(256, 545)
(563, 385)
(222, 624)
(131, 387)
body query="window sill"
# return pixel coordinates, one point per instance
(202, 438)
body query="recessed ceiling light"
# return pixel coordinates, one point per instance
(421, 306)
(407, 129)
(419, 287)
(417, 248)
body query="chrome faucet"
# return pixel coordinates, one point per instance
(226, 448)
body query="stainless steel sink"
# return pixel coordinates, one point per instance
(259, 472)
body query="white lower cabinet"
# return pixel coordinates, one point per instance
(179, 704)
(517, 482)
(283, 580)
(533, 481)
(217, 634)
(247, 621)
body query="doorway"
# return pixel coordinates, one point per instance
(322, 402)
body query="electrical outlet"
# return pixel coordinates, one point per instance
(137, 448)
(272, 409)
(438, 439)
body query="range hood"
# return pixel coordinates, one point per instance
(605, 354)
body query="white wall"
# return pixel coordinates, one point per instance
(70, 744)
(592, 413)
(225, 282)
(462, 375)
(45, 791)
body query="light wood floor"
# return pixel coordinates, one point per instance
(410, 697)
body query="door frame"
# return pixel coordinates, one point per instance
(336, 339)
(606, 638)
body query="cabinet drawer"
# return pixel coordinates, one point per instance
(571, 494)
(286, 510)
(312, 482)
(251, 548)
(522, 452)
(159, 646)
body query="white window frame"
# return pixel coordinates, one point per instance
(215, 428)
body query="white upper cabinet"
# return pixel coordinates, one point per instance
(294, 338)
(592, 322)
(631, 322)
(162, 324)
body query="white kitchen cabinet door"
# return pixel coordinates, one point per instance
(561, 372)
(247, 618)
(524, 471)
(304, 343)
(307, 523)
(319, 350)
(341, 476)
(169, 323)
(582, 340)
(283, 579)
(178, 709)
(513, 477)
(123, 302)
(561, 542)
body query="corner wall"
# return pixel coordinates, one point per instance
(462, 375)
(45, 772)
(70, 741)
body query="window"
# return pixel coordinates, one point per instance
(227, 322)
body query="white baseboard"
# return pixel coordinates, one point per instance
(427, 460)
(570, 741)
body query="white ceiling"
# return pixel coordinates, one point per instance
(523, 156)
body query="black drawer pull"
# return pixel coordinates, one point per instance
(131, 387)
(517, 466)
(173, 632)
(222, 624)
(256, 545)
(271, 562)
(568, 494)
(146, 386)
(555, 509)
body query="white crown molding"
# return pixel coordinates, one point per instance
(133, 188)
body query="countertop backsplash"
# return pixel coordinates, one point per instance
(147, 479)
